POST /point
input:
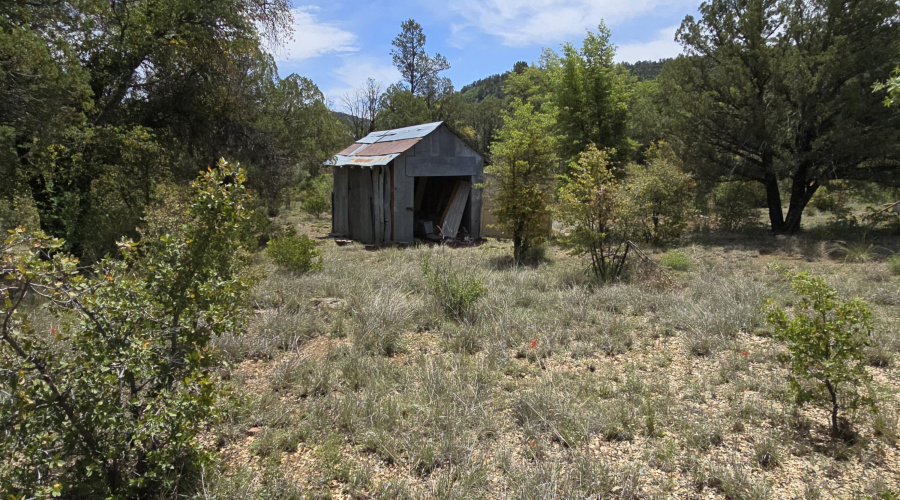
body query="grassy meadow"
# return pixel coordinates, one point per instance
(355, 382)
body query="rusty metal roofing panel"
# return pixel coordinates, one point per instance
(351, 149)
(362, 161)
(386, 148)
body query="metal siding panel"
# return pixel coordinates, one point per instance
(448, 143)
(442, 166)
(364, 161)
(386, 148)
(403, 202)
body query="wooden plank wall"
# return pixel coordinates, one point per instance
(386, 201)
(353, 220)
(377, 180)
(360, 211)
(339, 224)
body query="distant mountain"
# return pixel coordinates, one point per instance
(646, 70)
(478, 90)
(492, 85)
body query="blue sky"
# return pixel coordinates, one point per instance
(340, 43)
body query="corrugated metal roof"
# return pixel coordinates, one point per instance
(365, 161)
(379, 148)
(386, 148)
(351, 149)
(400, 133)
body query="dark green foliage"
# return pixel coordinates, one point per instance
(99, 110)
(524, 160)
(299, 255)
(591, 95)
(826, 339)
(736, 204)
(775, 90)
(646, 70)
(483, 88)
(455, 289)
(316, 196)
(420, 71)
(400, 108)
(109, 402)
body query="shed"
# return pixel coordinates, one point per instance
(393, 186)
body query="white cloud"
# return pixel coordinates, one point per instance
(312, 37)
(528, 22)
(353, 73)
(664, 45)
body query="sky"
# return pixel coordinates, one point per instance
(340, 43)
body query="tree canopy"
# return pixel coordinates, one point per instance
(778, 90)
(104, 102)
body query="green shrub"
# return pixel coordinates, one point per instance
(675, 260)
(826, 341)
(893, 263)
(736, 203)
(454, 289)
(316, 197)
(110, 401)
(833, 199)
(600, 213)
(662, 193)
(295, 254)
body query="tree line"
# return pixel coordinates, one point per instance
(786, 95)
(108, 106)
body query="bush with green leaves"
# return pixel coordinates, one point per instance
(522, 175)
(316, 196)
(736, 204)
(893, 263)
(826, 341)
(599, 214)
(456, 290)
(676, 261)
(297, 254)
(105, 377)
(662, 193)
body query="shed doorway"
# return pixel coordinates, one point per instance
(443, 207)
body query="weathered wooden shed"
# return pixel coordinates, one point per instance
(396, 185)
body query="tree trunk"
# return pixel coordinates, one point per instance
(517, 249)
(802, 190)
(773, 201)
(834, 408)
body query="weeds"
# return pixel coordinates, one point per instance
(676, 261)
(298, 255)
(454, 289)
(545, 377)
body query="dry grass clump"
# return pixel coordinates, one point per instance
(356, 381)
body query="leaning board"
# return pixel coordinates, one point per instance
(454, 213)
